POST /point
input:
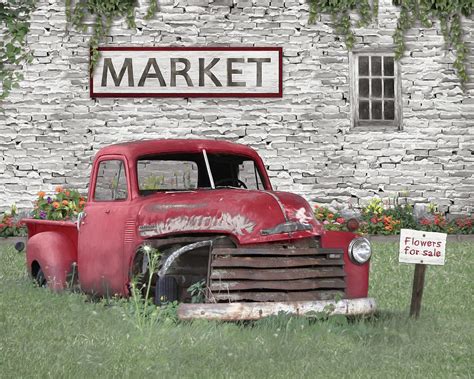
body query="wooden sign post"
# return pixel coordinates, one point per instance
(421, 248)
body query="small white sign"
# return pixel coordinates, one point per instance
(427, 248)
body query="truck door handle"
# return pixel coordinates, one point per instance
(107, 211)
(80, 217)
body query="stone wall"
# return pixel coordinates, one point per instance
(51, 128)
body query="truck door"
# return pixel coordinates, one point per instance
(100, 254)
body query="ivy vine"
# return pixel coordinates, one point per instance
(101, 13)
(339, 11)
(14, 20)
(449, 13)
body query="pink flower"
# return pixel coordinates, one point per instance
(340, 220)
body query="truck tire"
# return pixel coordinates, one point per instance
(40, 279)
(166, 290)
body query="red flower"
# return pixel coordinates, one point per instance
(340, 220)
(374, 220)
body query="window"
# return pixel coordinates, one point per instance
(111, 183)
(249, 175)
(375, 90)
(189, 172)
(166, 174)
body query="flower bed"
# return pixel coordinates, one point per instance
(10, 225)
(379, 219)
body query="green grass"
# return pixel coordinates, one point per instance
(49, 335)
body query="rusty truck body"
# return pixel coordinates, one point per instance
(210, 209)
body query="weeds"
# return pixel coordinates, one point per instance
(198, 291)
(142, 307)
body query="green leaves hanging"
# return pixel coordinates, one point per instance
(447, 11)
(339, 11)
(14, 19)
(101, 13)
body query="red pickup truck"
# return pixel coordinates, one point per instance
(209, 208)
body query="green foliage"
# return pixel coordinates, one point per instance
(449, 14)
(141, 306)
(197, 291)
(15, 24)
(101, 13)
(339, 11)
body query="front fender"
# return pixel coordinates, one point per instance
(55, 253)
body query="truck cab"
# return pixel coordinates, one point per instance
(210, 209)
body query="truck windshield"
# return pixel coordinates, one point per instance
(185, 172)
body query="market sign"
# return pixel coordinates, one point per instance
(187, 72)
(420, 247)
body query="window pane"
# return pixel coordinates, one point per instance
(388, 90)
(364, 87)
(364, 66)
(389, 110)
(376, 87)
(388, 66)
(111, 181)
(248, 174)
(376, 110)
(376, 66)
(364, 110)
(163, 174)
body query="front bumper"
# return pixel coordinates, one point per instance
(255, 311)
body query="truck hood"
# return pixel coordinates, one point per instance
(250, 216)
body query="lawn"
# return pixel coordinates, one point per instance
(48, 335)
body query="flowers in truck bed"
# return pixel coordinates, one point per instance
(64, 205)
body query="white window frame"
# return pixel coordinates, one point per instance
(396, 123)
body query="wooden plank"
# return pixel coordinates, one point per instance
(417, 291)
(277, 274)
(226, 261)
(275, 251)
(277, 296)
(258, 310)
(290, 285)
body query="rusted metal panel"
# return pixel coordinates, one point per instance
(276, 251)
(277, 296)
(278, 274)
(290, 285)
(226, 261)
(258, 310)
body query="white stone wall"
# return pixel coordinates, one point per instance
(51, 128)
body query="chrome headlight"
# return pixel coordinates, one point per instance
(360, 250)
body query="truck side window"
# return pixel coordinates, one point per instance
(111, 183)
(248, 174)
